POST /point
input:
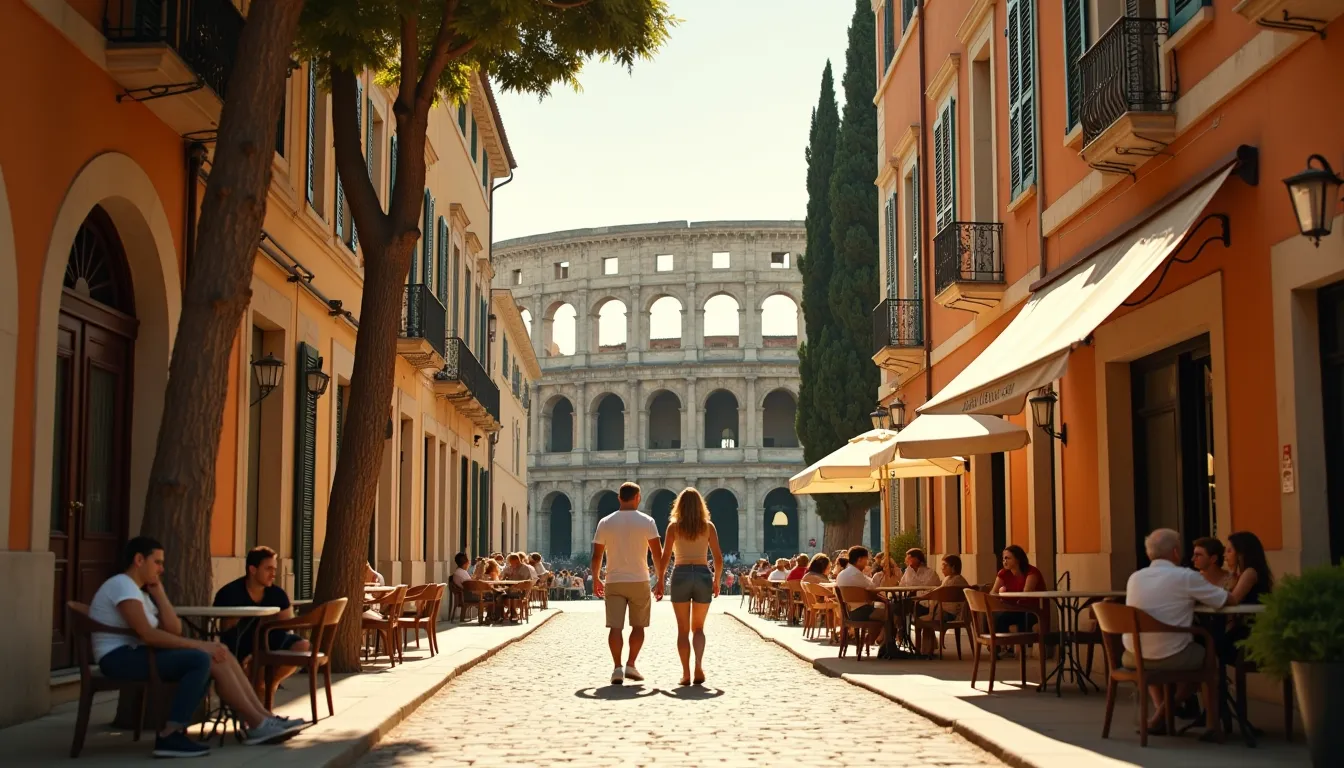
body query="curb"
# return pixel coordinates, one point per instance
(361, 745)
(989, 745)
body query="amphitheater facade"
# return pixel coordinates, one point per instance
(669, 356)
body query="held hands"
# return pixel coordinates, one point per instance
(716, 588)
(599, 588)
(658, 591)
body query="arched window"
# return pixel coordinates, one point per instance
(665, 421)
(610, 424)
(560, 327)
(721, 420)
(660, 509)
(562, 525)
(527, 322)
(721, 322)
(665, 323)
(723, 513)
(611, 328)
(562, 426)
(777, 424)
(779, 321)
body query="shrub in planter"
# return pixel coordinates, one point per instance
(900, 542)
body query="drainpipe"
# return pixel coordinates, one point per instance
(195, 160)
(489, 352)
(925, 226)
(1041, 247)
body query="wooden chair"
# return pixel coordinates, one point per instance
(384, 630)
(515, 601)
(983, 608)
(1117, 620)
(866, 630)
(92, 680)
(793, 601)
(819, 610)
(479, 595)
(457, 603)
(424, 617)
(320, 623)
(945, 601)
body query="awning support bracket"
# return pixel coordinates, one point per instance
(1224, 236)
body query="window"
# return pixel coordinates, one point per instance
(311, 159)
(892, 260)
(280, 138)
(462, 117)
(441, 262)
(1181, 11)
(391, 166)
(473, 138)
(504, 358)
(610, 266)
(663, 262)
(425, 254)
(1075, 43)
(912, 214)
(517, 277)
(721, 260)
(561, 270)
(485, 171)
(945, 166)
(457, 277)
(466, 308)
(375, 139)
(888, 35)
(779, 260)
(1021, 108)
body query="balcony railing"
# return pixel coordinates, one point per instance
(898, 323)
(462, 366)
(423, 317)
(968, 252)
(204, 33)
(1123, 73)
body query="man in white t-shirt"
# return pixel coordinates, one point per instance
(134, 601)
(626, 537)
(853, 576)
(460, 573)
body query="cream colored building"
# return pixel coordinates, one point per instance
(514, 367)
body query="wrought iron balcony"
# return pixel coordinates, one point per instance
(464, 381)
(176, 55)
(898, 334)
(1126, 112)
(968, 265)
(422, 328)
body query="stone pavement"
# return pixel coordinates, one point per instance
(367, 706)
(547, 701)
(1022, 726)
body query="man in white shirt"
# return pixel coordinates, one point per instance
(626, 537)
(781, 572)
(537, 564)
(1169, 593)
(460, 574)
(853, 576)
(917, 571)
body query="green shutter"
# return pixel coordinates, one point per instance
(368, 138)
(341, 391)
(483, 513)
(462, 117)
(427, 243)
(359, 119)
(311, 152)
(888, 35)
(485, 171)
(893, 263)
(391, 169)
(504, 358)
(305, 473)
(1075, 44)
(466, 309)
(441, 256)
(340, 208)
(1182, 11)
(917, 227)
(457, 281)
(475, 508)
(1021, 103)
(473, 138)
(945, 167)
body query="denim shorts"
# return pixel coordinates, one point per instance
(692, 583)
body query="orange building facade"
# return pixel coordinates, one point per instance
(98, 188)
(1096, 185)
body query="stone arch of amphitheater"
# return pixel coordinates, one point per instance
(669, 356)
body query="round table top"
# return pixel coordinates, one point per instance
(902, 589)
(379, 590)
(504, 583)
(1242, 610)
(224, 612)
(1055, 594)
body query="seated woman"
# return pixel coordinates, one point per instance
(800, 564)
(841, 563)
(1250, 580)
(1018, 575)
(817, 570)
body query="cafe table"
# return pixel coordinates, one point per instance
(903, 597)
(205, 621)
(1212, 620)
(501, 586)
(1070, 604)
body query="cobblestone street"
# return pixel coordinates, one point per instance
(547, 701)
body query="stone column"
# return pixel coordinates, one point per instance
(752, 438)
(749, 321)
(1039, 456)
(692, 441)
(579, 539)
(692, 323)
(982, 560)
(581, 420)
(584, 329)
(540, 327)
(634, 334)
(754, 527)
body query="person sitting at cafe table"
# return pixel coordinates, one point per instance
(460, 572)
(853, 576)
(1169, 593)
(1207, 558)
(799, 568)
(257, 589)
(817, 570)
(135, 600)
(781, 571)
(917, 570)
(838, 567)
(1250, 580)
(371, 576)
(1017, 575)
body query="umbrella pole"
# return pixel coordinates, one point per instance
(884, 501)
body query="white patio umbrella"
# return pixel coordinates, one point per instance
(863, 464)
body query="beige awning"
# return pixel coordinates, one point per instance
(932, 436)
(860, 466)
(1034, 349)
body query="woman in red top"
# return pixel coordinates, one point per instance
(1018, 575)
(799, 568)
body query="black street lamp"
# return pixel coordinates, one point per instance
(267, 372)
(1043, 413)
(889, 418)
(881, 418)
(317, 380)
(1314, 194)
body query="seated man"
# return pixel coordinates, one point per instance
(853, 576)
(134, 600)
(258, 589)
(538, 566)
(371, 576)
(1168, 593)
(460, 573)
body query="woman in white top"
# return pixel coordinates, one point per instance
(690, 535)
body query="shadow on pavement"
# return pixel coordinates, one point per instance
(692, 693)
(616, 692)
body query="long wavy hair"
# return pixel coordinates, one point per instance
(690, 515)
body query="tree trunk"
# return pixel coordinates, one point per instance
(845, 532)
(181, 491)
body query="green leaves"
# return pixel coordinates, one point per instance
(1303, 621)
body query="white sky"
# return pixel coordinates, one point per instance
(714, 128)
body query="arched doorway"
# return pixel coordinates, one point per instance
(781, 524)
(721, 420)
(610, 424)
(562, 426)
(660, 509)
(562, 526)
(723, 513)
(96, 333)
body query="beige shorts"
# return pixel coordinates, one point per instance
(634, 595)
(1188, 658)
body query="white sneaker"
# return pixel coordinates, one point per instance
(271, 731)
(633, 674)
(618, 675)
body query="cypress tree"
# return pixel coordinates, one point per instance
(816, 264)
(840, 377)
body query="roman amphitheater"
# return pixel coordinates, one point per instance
(669, 356)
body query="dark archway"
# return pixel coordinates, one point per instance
(665, 421)
(562, 526)
(781, 524)
(562, 426)
(781, 411)
(660, 509)
(723, 513)
(610, 424)
(721, 420)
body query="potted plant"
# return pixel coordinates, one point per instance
(1301, 633)
(899, 543)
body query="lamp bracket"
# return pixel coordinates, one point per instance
(1224, 236)
(1296, 24)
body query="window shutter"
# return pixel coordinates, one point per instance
(1021, 114)
(466, 309)
(485, 171)
(916, 276)
(305, 474)
(441, 256)
(309, 152)
(1075, 44)
(428, 237)
(1182, 11)
(359, 120)
(475, 508)
(462, 117)
(368, 140)
(1026, 55)
(888, 35)
(457, 281)
(340, 208)
(341, 391)
(893, 263)
(473, 139)
(504, 358)
(939, 171)
(483, 515)
(945, 167)
(391, 169)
